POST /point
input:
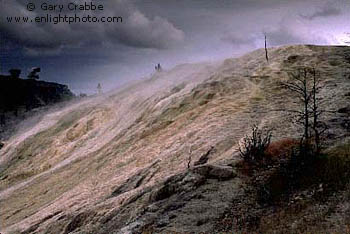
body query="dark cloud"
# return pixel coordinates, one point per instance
(142, 32)
(159, 24)
(327, 10)
(136, 30)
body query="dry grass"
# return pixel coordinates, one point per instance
(281, 148)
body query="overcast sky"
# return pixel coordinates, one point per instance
(166, 31)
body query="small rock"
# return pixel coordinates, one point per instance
(162, 193)
(215, 172)
(152, 208)
(344, 110)
(222, 173)
(201, 222)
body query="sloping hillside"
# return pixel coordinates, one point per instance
(117, 163)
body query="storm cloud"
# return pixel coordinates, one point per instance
(136, 30)
(327, 10)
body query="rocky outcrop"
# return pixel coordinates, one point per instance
(18, 96)
(136, 180)
(186, 202)
(28, 94)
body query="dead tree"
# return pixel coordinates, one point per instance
(266, 54)
(317, 126)
(300, 86)
(305, 84)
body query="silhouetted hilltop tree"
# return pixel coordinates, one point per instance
(15, 73)
(158, 67)
(34, 73)
(99, 88)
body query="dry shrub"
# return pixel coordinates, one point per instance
(281, 148)
(252, 147)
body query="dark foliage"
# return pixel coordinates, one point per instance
(303, 169)
(15, 73)
(253, 147)
(19, 96)
(34, 73)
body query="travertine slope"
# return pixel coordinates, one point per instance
(118, 162)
